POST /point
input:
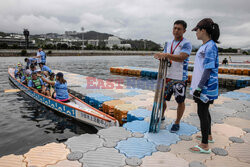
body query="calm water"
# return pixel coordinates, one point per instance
(25, 123)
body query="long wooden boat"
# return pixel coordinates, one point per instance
(76, 108)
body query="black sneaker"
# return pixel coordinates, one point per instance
(175, 128)
(163, 118)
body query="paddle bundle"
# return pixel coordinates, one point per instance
(157, 110)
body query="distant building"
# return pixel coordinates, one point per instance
(51, 35)
(239, 51)
(16, 41)
(17, 36)
(113, 40)
(42, 39)
(126, 46)
(69, 33)
(93, 42)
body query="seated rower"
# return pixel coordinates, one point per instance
(27, 76)
(61, 89)
(49, 87)
(45, 69)
(19, 71)
(33, 68)
(37, 85)
(39, 73)
(52, 87)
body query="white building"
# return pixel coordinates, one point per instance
(113, 40)
(17, 36)
(239, 51)
(126, 46)
(93, 42)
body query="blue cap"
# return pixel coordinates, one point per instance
(59, 74)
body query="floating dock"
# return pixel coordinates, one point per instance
(132, 145)
(225, 80)
(233, 70)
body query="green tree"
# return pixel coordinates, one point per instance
(59, 46)
(64, 46)
(102, 45)
(49, 46)
(24, 52)
(115, 47)
(89, 47)
(245, 53)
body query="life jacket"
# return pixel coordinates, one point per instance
(37, 83)
(28, 78)
(21, 72)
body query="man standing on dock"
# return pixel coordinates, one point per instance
(177, 51)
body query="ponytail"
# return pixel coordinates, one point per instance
(215, 33)
(211, 28)
(62, 80)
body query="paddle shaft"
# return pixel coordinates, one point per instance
(159, 97)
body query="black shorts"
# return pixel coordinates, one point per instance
(176, 87)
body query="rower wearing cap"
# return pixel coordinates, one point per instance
(39, 73)
(61, 88)
(19, 71)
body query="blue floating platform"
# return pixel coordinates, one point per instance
(136, 147)
(90, 97)
(241, 83)
(138, 114)
(185, 129)
(132, 93)
(154, 75)
(238, 95)
(137, 126)
(143, 73)
(162, 137)
(98, 101)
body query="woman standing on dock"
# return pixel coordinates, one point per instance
(204, 86)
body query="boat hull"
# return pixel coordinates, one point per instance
(65, 109)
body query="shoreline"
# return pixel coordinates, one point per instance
(17, 53)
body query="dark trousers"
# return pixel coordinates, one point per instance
(205, 120)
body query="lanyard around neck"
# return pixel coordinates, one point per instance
(172, 51)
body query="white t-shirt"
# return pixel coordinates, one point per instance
(178, 70)
(206, 58)
(38, 58)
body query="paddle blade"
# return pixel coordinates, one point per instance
(11, 90)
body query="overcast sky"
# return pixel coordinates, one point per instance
(134, 19)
